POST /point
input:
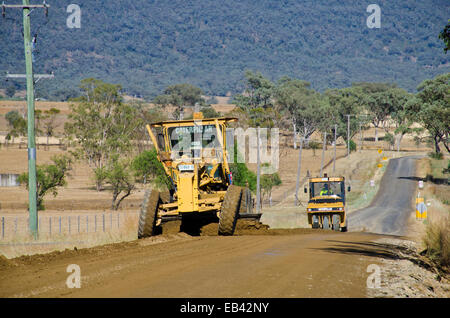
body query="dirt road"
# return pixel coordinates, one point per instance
(392, 206)
(319, 264)
(260, 263)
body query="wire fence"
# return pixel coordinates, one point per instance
(51, 225)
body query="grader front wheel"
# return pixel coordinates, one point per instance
(148, 214)
(230, 210)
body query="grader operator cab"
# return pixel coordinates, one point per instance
(194, 156)
(326, 205)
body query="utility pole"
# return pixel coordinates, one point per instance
(258, 174)
(299, 165)
(348, 135)
(362, 120)
(360, 137)
(323, 152)
(32, 187)
(334, 158)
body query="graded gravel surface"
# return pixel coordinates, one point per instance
(309, 264)
(257, 262)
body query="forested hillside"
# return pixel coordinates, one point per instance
(147, 45)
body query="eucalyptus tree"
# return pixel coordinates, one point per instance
(101, 128)
(431, 108)
(303, 105)
(180, 96)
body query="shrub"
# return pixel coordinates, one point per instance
(390, 140)
(242, 175)
(49, 178)
(314, 145)
(437, 241)
(446, 170)
(147, 167)
(352, 146)
(436, 155)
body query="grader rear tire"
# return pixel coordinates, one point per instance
(246, 202)
(147, 217)
(230, 210)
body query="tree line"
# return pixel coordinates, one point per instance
(110, 134)
(292, 104)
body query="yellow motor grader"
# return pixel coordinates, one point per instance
(326, 205)
(194, 156)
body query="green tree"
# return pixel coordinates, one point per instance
(146, 115)
(180, 96)
(376, 99)
(268, 181)
(431, 108)
(147, 167)
(242, 175)
(209, 112)
(17, 125)
(352, 146)
(257, 100)
(101, 127)
(49, 177)
(314, 145)
(345, 102)
(304, 107)
(401, 117)
(49, 122)
(119, 175)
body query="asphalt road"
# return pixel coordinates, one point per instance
(389, 211)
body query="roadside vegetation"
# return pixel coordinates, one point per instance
(437, 242)
(49, 178)
(109, 133)
(435, 235)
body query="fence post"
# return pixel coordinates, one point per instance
(15, 226)
(95, 223)
(103, 216)
(50, 225)
(118, 220)
(111, 221)
(3, 227)
(59, 224)
(87, 223)
(69, 224)
(78, 221)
